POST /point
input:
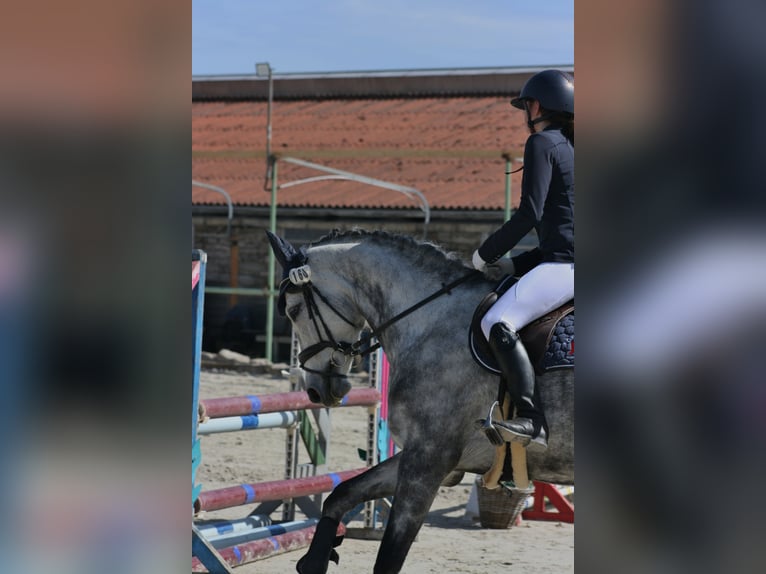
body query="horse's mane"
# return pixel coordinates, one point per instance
(419, 252)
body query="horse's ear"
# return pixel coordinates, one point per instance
(283, 251)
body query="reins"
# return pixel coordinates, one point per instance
(444, 290)
(355, 349)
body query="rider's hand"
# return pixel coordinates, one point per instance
(505, 265)
(478, 263)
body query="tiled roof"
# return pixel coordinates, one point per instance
(449, 148)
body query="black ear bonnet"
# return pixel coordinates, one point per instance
(292, 260)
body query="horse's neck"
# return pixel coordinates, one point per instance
(385, 284)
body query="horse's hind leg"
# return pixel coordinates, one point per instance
(378, 482)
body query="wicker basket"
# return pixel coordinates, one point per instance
(501, 506)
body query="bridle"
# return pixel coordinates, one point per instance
(299, 280)
(342, 351)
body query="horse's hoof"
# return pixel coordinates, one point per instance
(304, 567)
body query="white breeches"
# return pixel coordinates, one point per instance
(547, 286)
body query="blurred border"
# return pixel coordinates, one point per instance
(94, 265)
(671, 285)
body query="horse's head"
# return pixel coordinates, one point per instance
(323, 318)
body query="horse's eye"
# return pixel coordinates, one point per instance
(294, 311)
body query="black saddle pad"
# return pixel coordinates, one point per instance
(554, 350)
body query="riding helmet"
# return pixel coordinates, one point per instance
(554, 90)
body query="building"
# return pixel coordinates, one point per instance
(447, 136)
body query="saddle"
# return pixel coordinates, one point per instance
(549, 340)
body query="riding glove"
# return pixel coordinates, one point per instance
(478, 263)
(504, 264)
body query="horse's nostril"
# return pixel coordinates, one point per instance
(314, 396)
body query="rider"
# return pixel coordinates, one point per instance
(547, 272)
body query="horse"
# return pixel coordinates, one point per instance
(346, 282)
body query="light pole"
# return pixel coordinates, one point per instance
(264, 70)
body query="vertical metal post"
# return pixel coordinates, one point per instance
(233, 269)
(272, 264)
(508, 176)
(198, 310)
(264, 69)
(268, 117)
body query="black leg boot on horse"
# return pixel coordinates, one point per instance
(529, 423)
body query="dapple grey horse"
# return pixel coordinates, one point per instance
(348, 281)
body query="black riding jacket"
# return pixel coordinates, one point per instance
(547, 205)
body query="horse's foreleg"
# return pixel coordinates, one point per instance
(420, 474)
(378, 482)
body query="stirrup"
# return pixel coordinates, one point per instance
(487, 426)
(498, 434)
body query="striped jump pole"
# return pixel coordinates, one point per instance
(258, 549)
(248, 422)
(213, 528)
(275, 490)
(277, 402)
(240, 537)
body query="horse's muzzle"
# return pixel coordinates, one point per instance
(327, 390)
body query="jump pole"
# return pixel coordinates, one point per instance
(292, 401)
(213, 528)
(248, 422)
(241, 536)
(258, 549)
(275, 490)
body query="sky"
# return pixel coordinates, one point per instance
(230, 36)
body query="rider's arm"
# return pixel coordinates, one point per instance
(534, 190)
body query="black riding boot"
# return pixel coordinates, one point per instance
(511, 356)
